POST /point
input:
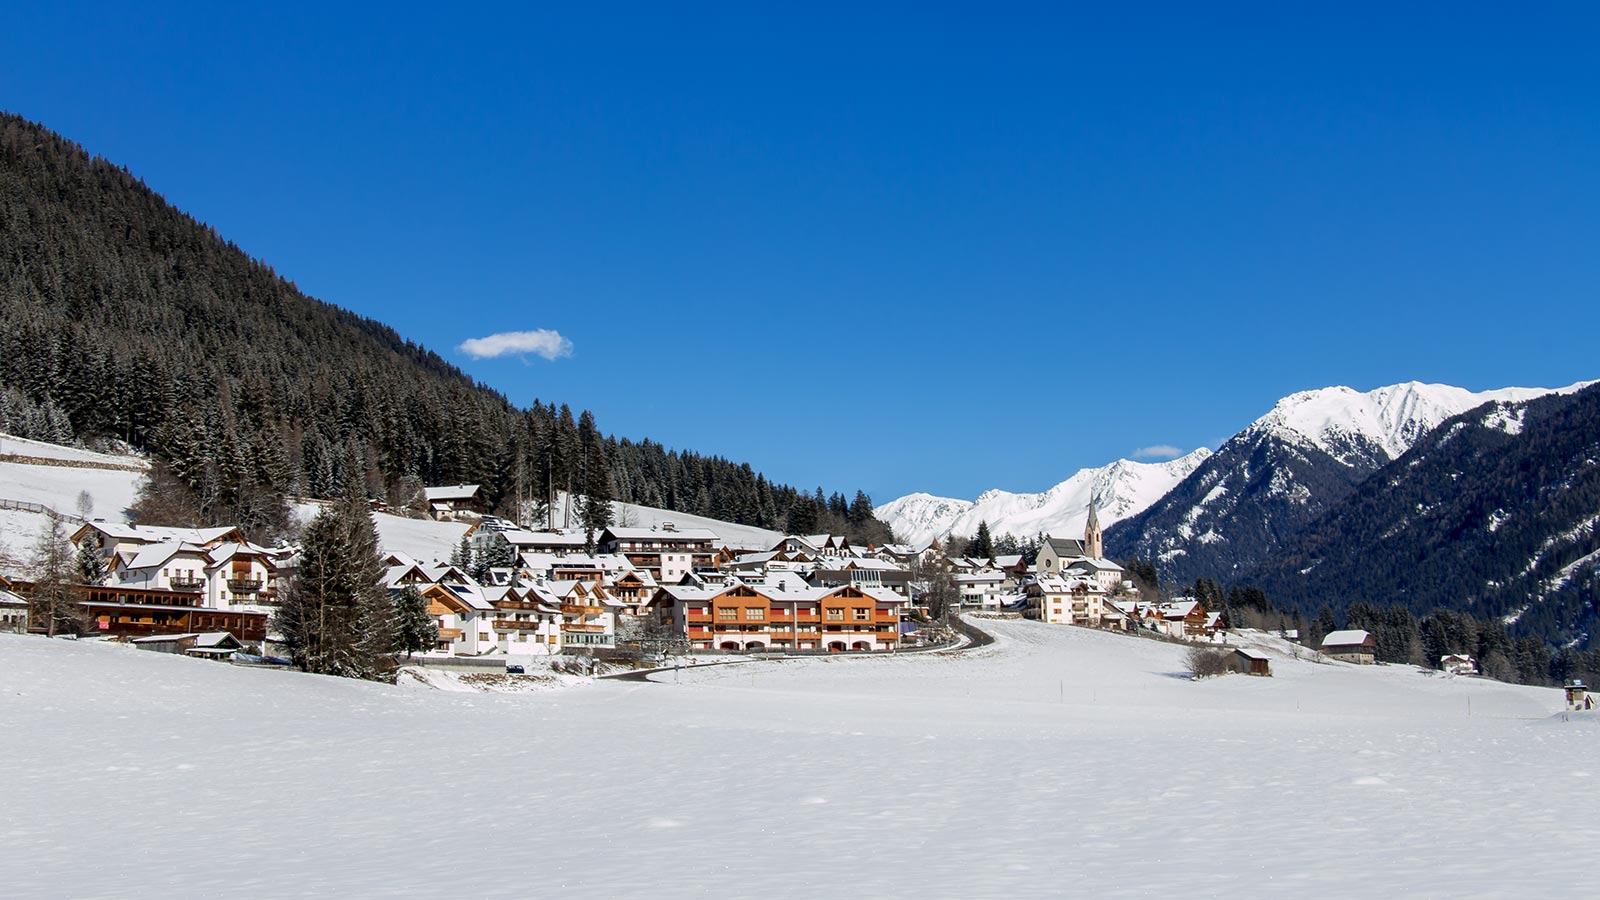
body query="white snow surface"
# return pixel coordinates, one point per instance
(1122, 489)
(11, 445)
(57, 487)
(1057, 761)
(1341, 420)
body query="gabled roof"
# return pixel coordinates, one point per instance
(451, 492)
(152, 534)
(1350, 637)
(1066, 546)
(225, 552)
(1098, 565)
(151, 556)
(470, 594)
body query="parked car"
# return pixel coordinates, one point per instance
(515, 670)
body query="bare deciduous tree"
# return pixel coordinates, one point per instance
(1204, 662)
(55, 579)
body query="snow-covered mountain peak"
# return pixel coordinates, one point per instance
(1121, 489)
(1377, 425)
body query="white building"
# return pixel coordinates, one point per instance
(981, 588)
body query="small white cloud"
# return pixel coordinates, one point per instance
(1159, 451)
(545, 342)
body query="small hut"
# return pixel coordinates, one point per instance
(1251, 662)
(1578, 697)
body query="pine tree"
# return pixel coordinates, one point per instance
(461, 556)
(91, 559)
(414, 629)
(336, 617)
(982, 544)
(860, 509)
(597, 488)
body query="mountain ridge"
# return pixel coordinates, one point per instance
(1285, 469)
(1122, 488)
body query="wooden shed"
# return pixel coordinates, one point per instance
(1251, 662)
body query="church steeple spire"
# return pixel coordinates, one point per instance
(1093, 545)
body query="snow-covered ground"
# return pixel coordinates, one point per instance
(112, 490)
(1056, 761)
(635, 516)
(11, 445)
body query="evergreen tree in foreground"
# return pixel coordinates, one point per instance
(414, 629)
(336, 617)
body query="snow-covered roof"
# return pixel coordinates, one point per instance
(161, 533)
(1098, 565)
(201, 639)
(523, 538)
(1347, 638)
(662, 534)
(451, 492)
(152, 555)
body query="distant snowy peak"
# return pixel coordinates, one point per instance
(1378, 425)
(1121, 489)
(921, 517)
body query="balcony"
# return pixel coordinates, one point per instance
(579, 609)
(515, 625)
(583, 629)
(244, 585)
(187, 583)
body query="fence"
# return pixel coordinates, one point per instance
(26, 506)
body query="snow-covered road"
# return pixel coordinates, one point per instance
(1057, 761)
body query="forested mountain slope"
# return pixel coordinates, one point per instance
(1495, 512)
(122, 318)
(1284, 471)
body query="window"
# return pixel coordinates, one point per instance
(727, 613)
(755, 613)
(836, 614)
(862, 614)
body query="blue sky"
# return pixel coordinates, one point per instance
(918, 247)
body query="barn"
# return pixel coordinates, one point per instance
(1251, 662)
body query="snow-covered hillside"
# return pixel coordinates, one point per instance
(113, 482)
(1381, 424)
(1121, 489)
(1056, 757)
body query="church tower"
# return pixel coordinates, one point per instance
(1092, 544)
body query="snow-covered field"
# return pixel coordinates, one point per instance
(112, 490)
(11, 445)
(1057, 761)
